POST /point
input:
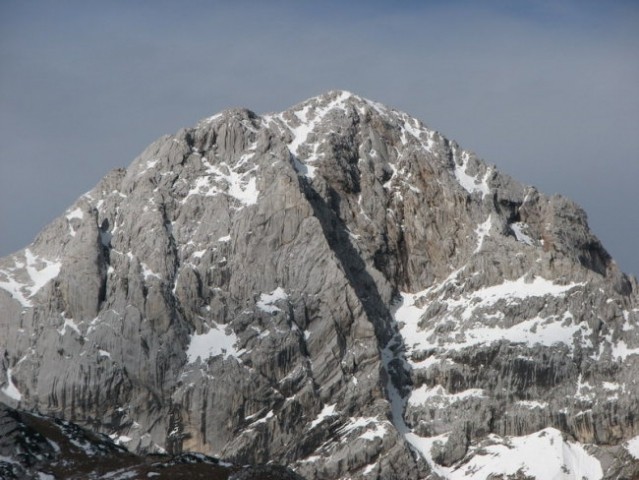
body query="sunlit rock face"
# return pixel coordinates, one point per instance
(336, 288)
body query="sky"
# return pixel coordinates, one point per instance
(546, 90)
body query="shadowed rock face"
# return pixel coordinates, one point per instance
(336, 288)
(38, 447)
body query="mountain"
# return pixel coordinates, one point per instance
(336, 288)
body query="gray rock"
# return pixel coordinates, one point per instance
(336, 288)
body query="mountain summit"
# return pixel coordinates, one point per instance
(336, 288)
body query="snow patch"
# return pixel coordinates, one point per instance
(482, 231)
(379, 430)
(40, 277)
(300, 133)
(427, 362)
(414, 128)
(213, 118)
(584, 391)
(523, 288)
(531, 404)
(418, 131)
(471, 183)
(562, 460)
(373, 427)
(15, 289)
(327, 411)
(267, 300)
(148, 273)
(309, 117)
(610, 386)
(519, 230)
(10, 390)
(632, 446)
(40, 272)
(239, 185)
(119, 439)
(537, 330)
(369, 468)
(264, 419)
(312, 459)
(151, 163)
(440, 397)
(212, 343)
(245, 192)
(69, 323)
(621, 351)
(77, 213)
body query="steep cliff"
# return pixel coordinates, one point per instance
(337, 288)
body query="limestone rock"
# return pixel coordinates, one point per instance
(337, 288)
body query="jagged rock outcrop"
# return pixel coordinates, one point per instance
(336, 288)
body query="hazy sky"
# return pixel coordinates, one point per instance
(546, 90)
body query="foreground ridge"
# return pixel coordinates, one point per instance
(337, 288)
(38, 447)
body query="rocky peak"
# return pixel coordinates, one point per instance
(337, 277)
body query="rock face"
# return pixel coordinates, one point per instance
(336, 288)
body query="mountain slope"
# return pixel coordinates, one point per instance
(336, 288)
(38, 447)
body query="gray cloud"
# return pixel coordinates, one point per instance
(548, 93)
